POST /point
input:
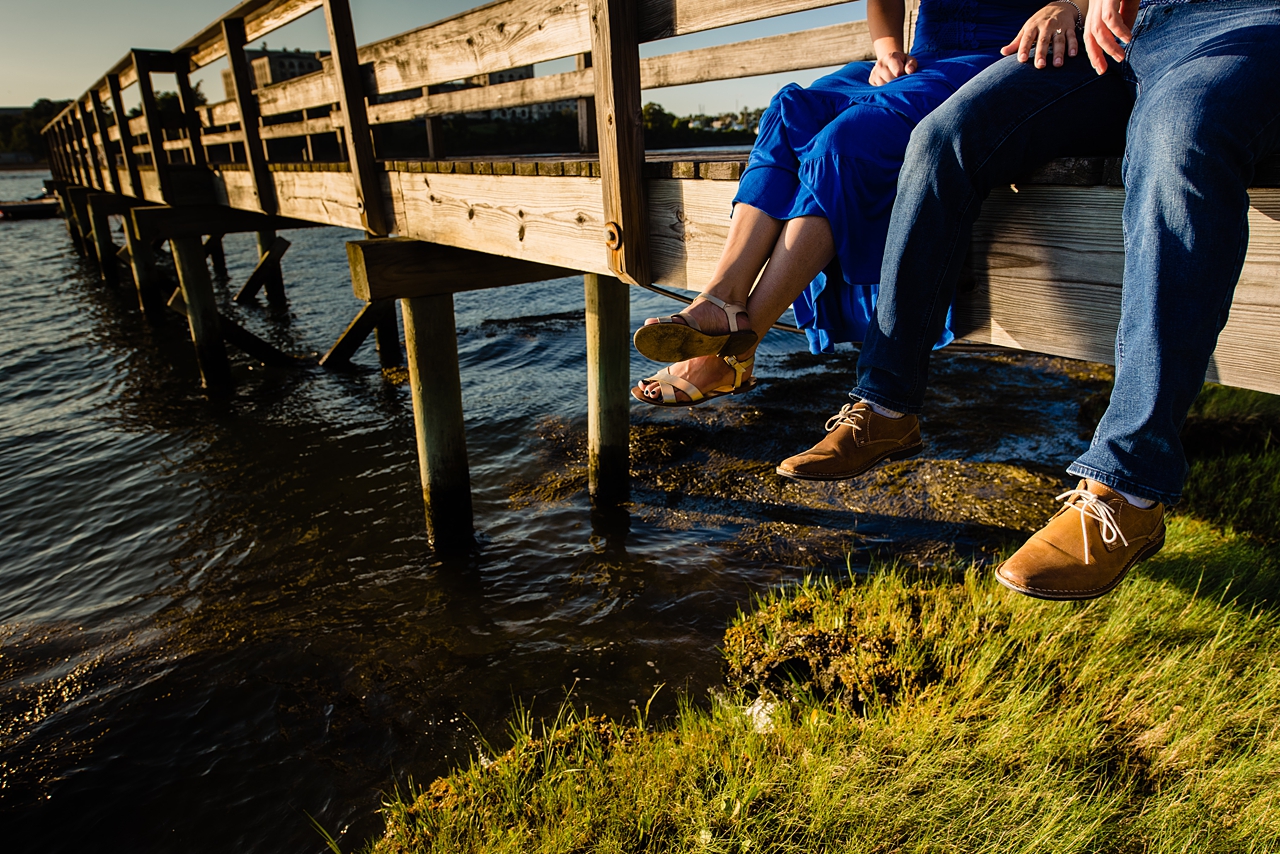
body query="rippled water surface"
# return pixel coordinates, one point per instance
(218, 620)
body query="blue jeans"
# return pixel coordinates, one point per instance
(1200, 89)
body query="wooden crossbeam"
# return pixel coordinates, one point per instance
(401, 268)
(268, 266)
(166, 223)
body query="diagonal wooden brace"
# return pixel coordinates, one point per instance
(242, 339)
(267, 267)
(373, 314)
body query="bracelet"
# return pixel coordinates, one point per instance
(1079, 14)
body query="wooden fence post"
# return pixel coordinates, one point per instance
(142, 261)
(274, 282)
(100, 120)
(100, 230)
(190, 118)
(432, 344)
(155, 125)
(233, 33)
(588, 137)
(126, 136)
(615, 56)
(355, 117)
(202, 313)
(608, 401)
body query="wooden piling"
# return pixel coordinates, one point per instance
(273, 273)
(432, 345)
(608, 379)
(387, 339)
(142, 261)
(202, 313)
(100, 234)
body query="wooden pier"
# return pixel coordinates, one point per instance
(1046, 258)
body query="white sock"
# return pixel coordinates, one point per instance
(1141, 503)
(881, 410)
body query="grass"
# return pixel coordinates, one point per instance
(930, 710)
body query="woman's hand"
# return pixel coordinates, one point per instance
(1108, 27)
(1053, 26)
(891, 66)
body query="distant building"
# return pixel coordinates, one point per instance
(273, 66)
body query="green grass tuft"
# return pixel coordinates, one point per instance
(927, 711)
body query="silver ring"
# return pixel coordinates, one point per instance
(1057, 32)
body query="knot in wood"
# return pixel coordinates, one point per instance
(613, 235)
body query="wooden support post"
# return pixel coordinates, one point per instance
(608, 400)
(126, 137)
(268, 273)
(100, 229)
(100, 121)
(69, 215)
(588, 139)
(615, 55)
(202, 314)
(80, 212)
(355, 118)
(435, 138)
(233, 33)
(190, 118)
(142, 261)
(242, 339)
(339, 355)
(90, 150)
(387, 338)
(217, 256)
(155, 126)
(432, 343)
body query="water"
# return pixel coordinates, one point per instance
(217, 620)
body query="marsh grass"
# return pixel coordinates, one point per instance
(964, 719)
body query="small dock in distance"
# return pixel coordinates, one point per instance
(1046, 257)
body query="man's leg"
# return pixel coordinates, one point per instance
(1000, 125)
(1007, 120)
(1209, 108)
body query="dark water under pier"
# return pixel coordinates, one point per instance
(218, 620)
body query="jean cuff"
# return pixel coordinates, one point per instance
(859, 393)
(1168, 499)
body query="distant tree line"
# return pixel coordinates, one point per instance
(22, 132)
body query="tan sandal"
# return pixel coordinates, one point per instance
(675, 340)
(668, 383)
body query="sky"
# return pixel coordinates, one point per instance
(57, 49)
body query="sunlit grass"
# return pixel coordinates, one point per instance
(964, 718)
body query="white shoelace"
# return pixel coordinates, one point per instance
(848, 416)
(1091, 506)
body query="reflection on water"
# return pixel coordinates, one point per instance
(216, 620)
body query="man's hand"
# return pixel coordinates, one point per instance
(1107, 29)
(891, 66)
(1054, 25)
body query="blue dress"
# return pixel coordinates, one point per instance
(834, 150)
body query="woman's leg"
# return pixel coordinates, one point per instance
(802, 248)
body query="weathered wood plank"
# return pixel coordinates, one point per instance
(402, 268)
(660, 19)
(557, 221)
(165, 223)
(346, 69)
(1048, 263)
(100, 122)
(620, 129)
(260, 16)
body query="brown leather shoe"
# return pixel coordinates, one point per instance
(1087, 547)
(857, 438)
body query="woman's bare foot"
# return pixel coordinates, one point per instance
(706, 372)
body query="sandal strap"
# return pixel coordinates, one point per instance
(669, 382)
(686, 319)
(731, 310)
(740, 368)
